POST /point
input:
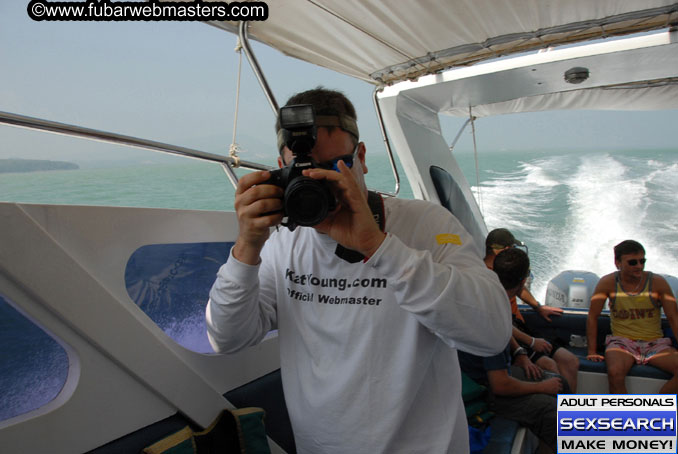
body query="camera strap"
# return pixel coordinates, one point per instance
(376, 204)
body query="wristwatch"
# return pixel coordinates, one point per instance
(519, 351)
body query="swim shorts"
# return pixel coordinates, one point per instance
(642, 351)
(532, 354)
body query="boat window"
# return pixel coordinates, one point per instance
(33, 366)
(551, 177)
(151, 180)
(171, 284)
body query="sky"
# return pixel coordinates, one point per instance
(175, 82)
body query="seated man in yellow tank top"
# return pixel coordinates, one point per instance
(636, 299)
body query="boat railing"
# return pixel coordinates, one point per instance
(227, 162)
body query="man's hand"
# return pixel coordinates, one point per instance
(532, 371)
(595, 357)
(541, 345)
(351, 224)
(259, 207)
(551, 386)
(547, 311)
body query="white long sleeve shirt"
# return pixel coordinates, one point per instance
(368, 350)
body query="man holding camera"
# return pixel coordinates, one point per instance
(371, 303)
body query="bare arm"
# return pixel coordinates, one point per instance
(600, 295)
(545, 311)
(502, 384)
(668, 300)
(535, 343)
(521, 336)
(532, 371)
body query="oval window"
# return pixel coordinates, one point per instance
(33, 365)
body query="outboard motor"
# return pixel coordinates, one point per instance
(571, 288)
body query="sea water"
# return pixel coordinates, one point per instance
(569, 208)
(572, 208)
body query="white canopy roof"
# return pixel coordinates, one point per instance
(384, 42)
(634, 73)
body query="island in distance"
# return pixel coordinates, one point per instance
(34, 165)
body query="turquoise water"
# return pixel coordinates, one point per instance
(189, 185)
(572, 208)
(186, 184)
(569, 207)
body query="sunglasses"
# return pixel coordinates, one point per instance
(634, 262)
(522, 246)
(333, 164)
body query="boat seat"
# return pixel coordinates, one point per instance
(267, 392)
(138, 440)
(637, 370)
(502, 435)
(564, 326)
(503, 432)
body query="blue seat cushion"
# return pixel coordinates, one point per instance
(502, 433)
(600, 367)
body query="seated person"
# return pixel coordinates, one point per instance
(636, 300)
(531, 404)
(541, 354)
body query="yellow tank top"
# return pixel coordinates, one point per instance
(636, 317)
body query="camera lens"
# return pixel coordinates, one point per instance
(307, 201)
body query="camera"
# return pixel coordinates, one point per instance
(306, 201)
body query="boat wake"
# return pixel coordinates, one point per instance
(572, 209)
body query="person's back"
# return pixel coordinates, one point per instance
(543, 356)
(530, 403)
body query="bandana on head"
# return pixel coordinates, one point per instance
(344, 122)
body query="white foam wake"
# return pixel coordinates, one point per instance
(572, 210)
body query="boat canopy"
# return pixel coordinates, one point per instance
(374, 41)
(630, 73)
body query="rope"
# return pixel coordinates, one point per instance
(235, 148)
(475, 155)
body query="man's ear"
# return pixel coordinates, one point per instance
(280, 162)
(518, 289)
(361, 156)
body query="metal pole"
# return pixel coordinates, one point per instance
(22, 121)
(244, 41)
(454, 142)
(387, 144)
